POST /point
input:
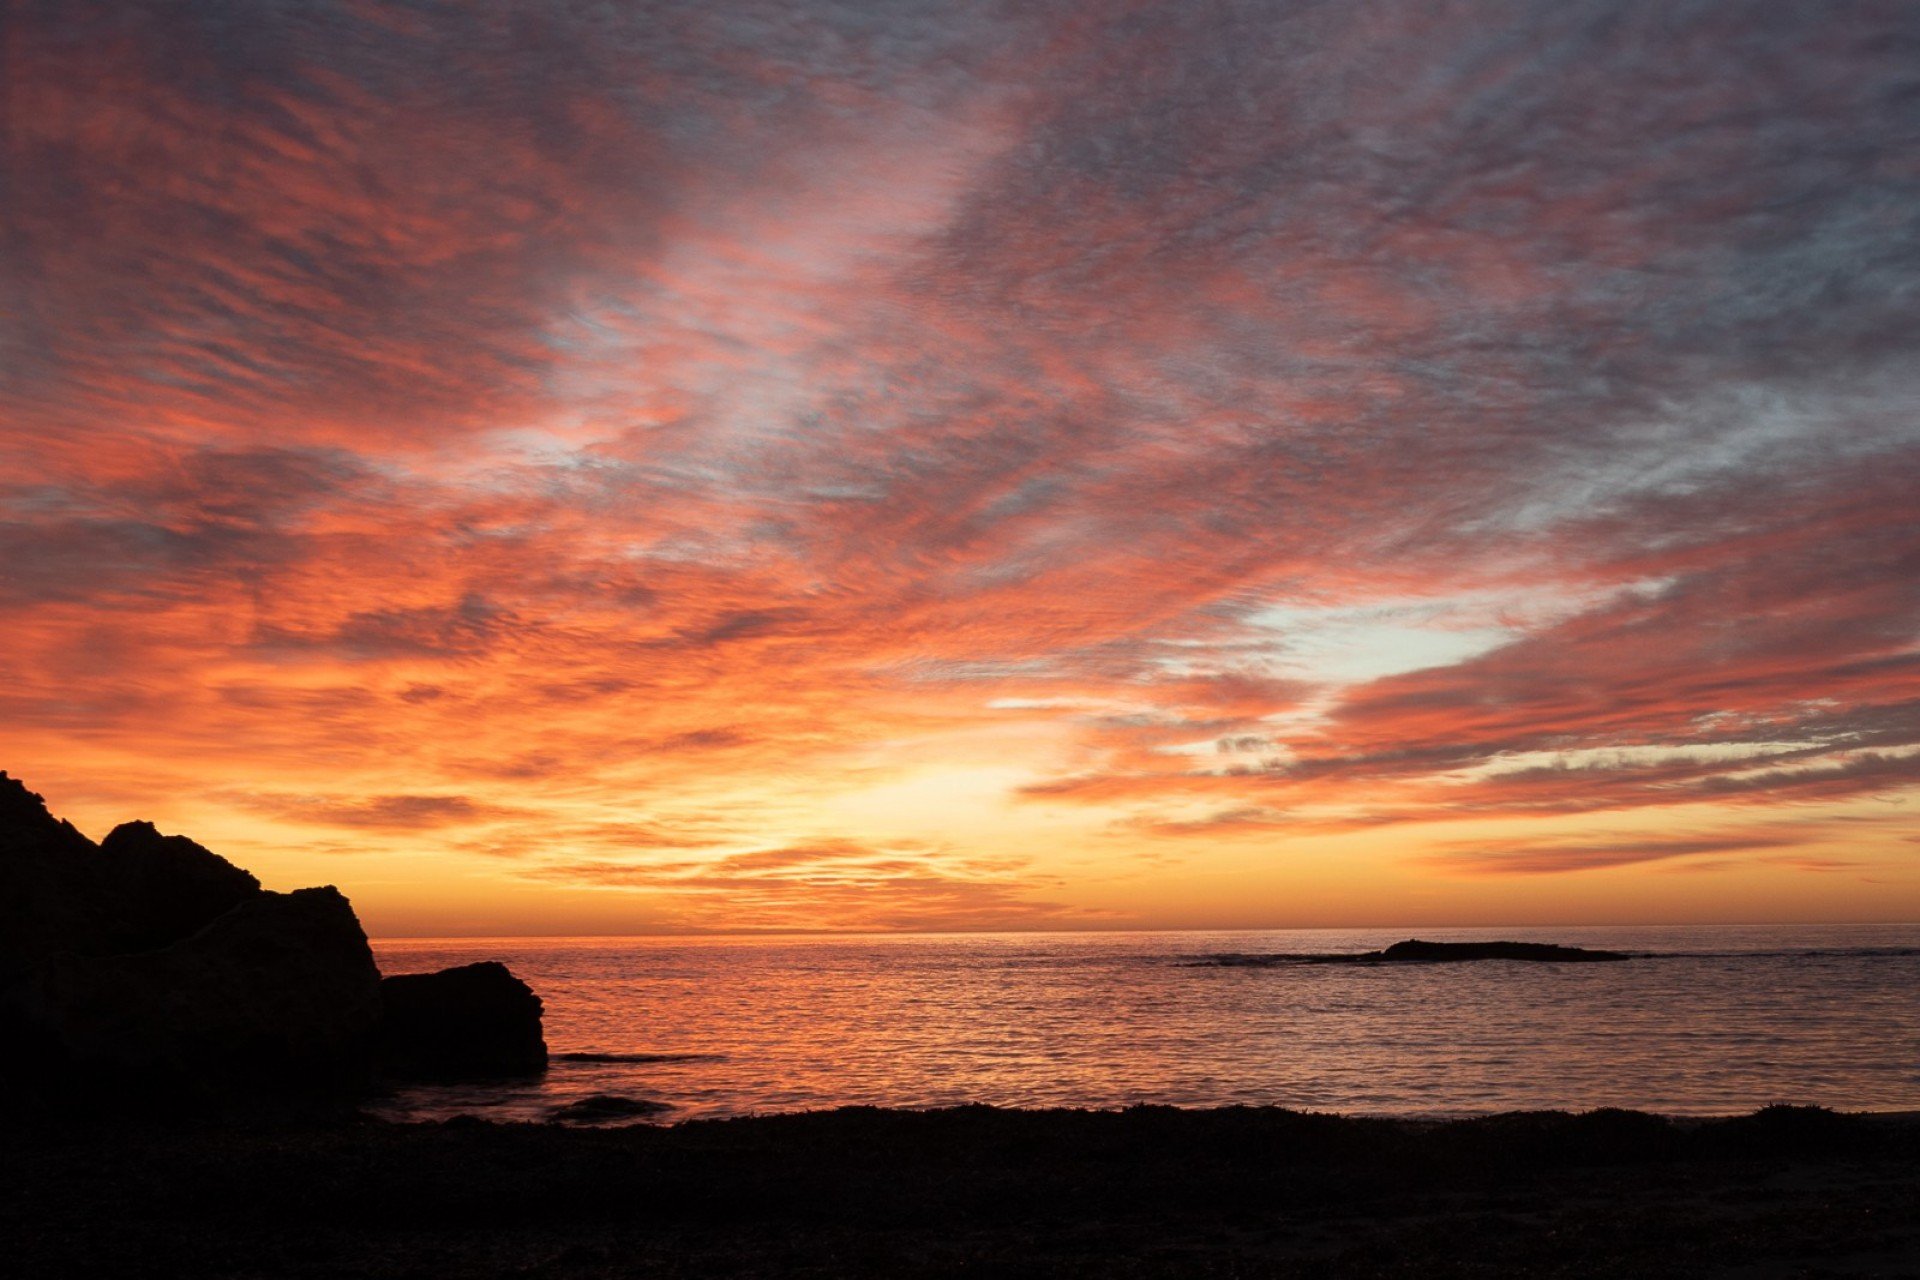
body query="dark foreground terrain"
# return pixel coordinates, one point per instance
(975, 1192)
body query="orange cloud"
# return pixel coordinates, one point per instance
(1014, 451)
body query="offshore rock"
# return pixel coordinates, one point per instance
(475, 1020)
(1415, 951)
(277, 997)
(600, 1108)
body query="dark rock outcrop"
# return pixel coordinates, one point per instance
(475, 1020)
(168, 886)
(151, 971)
(600, 1108)
(1416, 951)
(136, 890)
(277, 997)
(49, 883)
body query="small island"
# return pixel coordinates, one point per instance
(1419, 951)
(1416, 951)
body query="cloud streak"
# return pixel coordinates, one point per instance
(1251, 425)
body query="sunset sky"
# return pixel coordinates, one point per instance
(617, 468)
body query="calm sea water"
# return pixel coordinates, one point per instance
(1711, 1020)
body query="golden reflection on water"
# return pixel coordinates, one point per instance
(1724, 1019)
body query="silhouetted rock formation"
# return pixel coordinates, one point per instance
(147, 969)
(169, 886)
(278, 996)
(475, 1020)
(135, 891)
(50, 890)
(602, 1107)
(1415, 951)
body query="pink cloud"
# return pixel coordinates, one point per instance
(629, 413)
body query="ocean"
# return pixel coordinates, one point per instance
(1705, 1020)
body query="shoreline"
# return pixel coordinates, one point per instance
(1149, 1191)
(661, 1115)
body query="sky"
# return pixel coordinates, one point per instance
(606, 467)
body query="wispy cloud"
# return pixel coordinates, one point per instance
(1551, 857)
(378, 813)
(839, 884)
(1259, 421)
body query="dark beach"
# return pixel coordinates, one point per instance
(973, 1191)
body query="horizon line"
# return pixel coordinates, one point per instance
(763, 934)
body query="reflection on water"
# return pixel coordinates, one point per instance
(1721, 1019)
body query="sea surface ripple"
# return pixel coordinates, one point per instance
(1705, 1020)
